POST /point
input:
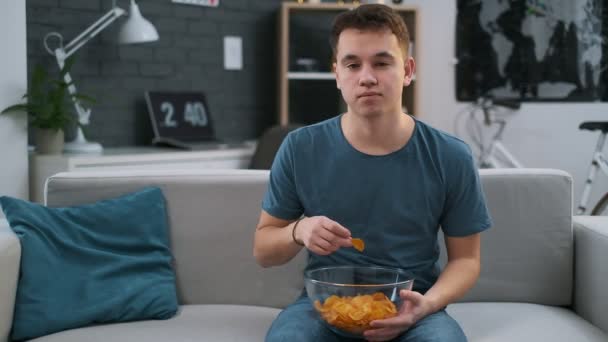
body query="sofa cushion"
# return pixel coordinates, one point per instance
(495, 322)
(522, 322)
(192, 323)
(104, 262)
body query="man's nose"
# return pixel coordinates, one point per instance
(367, 77)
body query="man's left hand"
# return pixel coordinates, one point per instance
(415, 307)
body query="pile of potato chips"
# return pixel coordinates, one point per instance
(354, 313)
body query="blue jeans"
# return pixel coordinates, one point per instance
(299, 322)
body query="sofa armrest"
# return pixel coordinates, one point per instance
(591, 269)
(10, 257)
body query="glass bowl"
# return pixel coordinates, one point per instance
(348, 298)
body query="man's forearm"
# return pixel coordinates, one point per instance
(457, 278)
(274, 245)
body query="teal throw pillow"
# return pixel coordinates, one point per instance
(99, 263)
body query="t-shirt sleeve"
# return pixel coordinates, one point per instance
(281, 199)
(465, 211)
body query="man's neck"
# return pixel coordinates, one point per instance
(377, 135)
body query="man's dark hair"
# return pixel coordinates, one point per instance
(370, 17)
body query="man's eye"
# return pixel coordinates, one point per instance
(352, 66)
(382, 64)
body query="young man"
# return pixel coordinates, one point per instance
(381, 175)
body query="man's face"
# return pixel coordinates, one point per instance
(371, 71)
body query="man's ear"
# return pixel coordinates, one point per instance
(334, 67)
(410, 70)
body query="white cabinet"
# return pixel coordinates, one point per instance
(149, 158)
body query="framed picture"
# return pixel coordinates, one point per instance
(531, 50)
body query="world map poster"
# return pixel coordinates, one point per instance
(532, 50)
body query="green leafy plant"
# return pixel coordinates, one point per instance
(47, 100)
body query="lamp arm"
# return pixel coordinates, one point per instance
(93, 30)
(62, 53)
(83, 113)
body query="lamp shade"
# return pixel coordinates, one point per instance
(137, 29)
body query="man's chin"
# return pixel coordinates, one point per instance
(369, 112)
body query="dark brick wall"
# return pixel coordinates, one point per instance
(188, 56)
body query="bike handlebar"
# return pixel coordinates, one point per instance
(507, 103)
(486, 103)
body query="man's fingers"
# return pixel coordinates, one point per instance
(335, 240)
(329, 236)
(318, 249)
(411, 296)
(336, 229)
(389, 323)
(346, 243)
(383, 334)
(323, 243)
(326, 235)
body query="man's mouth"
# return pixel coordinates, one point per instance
(369, 93)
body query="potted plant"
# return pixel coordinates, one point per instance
(48, 107)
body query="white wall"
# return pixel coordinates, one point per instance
(13, 84)
(543, 135)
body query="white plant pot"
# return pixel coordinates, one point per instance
(48, 141)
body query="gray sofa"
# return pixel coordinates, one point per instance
(544, 273)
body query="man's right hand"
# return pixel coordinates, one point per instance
(322, 235)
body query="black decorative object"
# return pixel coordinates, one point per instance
(179, 116)
(532, 50)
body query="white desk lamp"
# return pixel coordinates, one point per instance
(135, 30)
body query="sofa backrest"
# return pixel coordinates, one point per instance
(526, 255)
(212, 217)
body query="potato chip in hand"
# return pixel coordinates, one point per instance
(358, 244)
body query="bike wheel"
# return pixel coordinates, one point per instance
(601, 208)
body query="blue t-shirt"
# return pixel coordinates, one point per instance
(394, 202)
